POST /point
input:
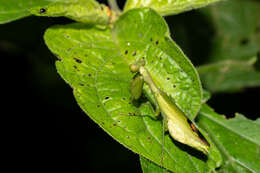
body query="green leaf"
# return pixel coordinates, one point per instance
(150, 167)
(95, 63)
(166, 7)
(140, 35)
(11, 10)
(229, 75)
(237, 29)
(85, 11)
(238, 140)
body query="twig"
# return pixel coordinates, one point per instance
(113, 5)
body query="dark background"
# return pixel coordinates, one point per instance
(44, 128)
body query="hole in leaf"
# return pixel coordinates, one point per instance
(43, 10)
(167, 78)
(174, 86)
(106, 98)
(77, 60)
(126, 52)
(157, 42)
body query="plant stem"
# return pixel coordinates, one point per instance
(113, 5)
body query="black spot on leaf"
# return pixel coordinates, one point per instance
(126, 52)
(134, 53)
(244, 42)
(157, 42)
(174, 86)
(76, 68)
(89, 75)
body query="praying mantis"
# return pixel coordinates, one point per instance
(177, 123)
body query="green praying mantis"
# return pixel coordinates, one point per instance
(178, 124)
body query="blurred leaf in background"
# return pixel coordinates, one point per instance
(236, 45)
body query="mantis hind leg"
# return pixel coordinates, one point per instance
(146, 109)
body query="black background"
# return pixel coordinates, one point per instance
(43, 127)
